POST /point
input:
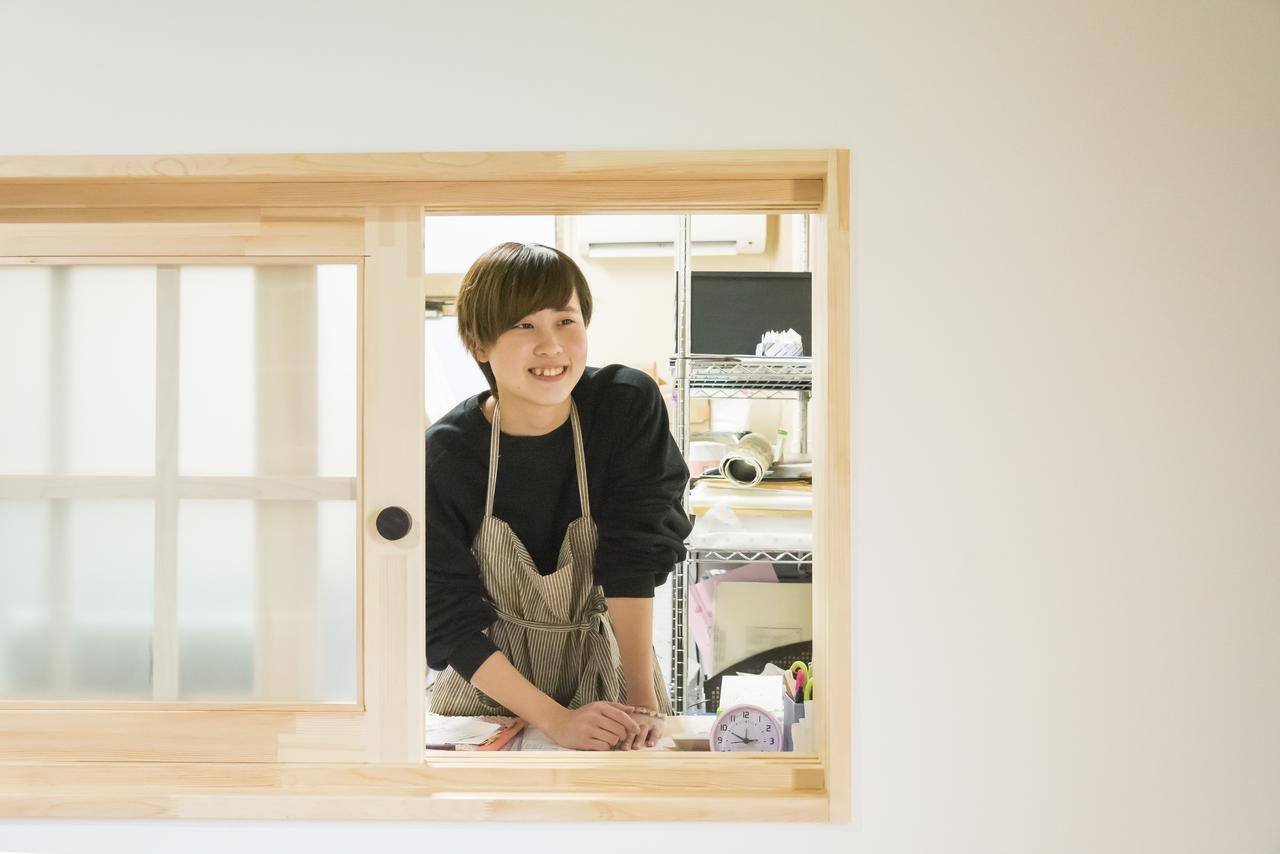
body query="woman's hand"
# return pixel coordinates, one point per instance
(596, 726)
(651, 729)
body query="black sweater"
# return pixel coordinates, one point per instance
(635, 477)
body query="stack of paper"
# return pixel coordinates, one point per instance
(789, 344)
(724, 528)
(471, 733)
(782, 498)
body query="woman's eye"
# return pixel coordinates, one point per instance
(568, 320)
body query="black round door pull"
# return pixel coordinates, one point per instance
(394, 523)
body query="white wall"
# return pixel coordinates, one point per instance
(1067, 364)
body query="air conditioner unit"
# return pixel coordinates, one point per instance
(648, 235)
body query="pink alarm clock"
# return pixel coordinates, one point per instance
(744, 728)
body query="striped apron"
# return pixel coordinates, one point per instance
(555, 629)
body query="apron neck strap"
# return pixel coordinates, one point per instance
(579, 458)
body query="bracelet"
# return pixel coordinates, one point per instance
(642, 710)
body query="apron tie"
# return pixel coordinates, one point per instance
(594, 609)
(600, 672)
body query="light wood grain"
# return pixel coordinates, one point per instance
(202, 260)
(419, 166)
(60, 232)
(203, 705)
(831, 444)
(160, 736)
(264, 488)
(493, 197)
(468, 772)
(586, 787)
(394, 573)
(676, 805)
(195, 217)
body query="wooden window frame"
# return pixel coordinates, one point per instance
(320, 207)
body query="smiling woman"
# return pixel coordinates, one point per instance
(293, 753)
(539, 602)
(519, 317)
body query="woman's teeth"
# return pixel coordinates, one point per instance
(546, 372)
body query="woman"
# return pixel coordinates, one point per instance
(553, 511)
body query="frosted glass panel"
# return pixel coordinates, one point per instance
(284, 634)
(110, 349)
(216, 371)
(178, 472)
(336, 370)
(268, 370)
(77, 370)
(25, 375)
(76, 618)
(216, 598)
(25, 615)
(337, 545)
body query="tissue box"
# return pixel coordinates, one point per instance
(791, 713)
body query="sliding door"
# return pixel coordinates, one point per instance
(188, 550)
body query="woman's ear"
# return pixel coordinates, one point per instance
(480, 354)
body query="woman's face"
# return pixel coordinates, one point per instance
(541, 358)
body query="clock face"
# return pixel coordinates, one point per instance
(748, 729)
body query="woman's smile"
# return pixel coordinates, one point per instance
(548, 374)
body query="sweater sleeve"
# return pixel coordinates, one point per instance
(642, 523)
(458, 607)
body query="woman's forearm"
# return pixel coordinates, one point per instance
(633, 624)
(498, 678)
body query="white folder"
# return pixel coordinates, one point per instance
(752, 617)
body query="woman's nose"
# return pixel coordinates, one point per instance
(549, 341)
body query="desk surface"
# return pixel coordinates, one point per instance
(677, 727)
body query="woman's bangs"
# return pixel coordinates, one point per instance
(530, 290)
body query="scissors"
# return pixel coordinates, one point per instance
(804, 679)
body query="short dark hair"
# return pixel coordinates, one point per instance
(508, 282)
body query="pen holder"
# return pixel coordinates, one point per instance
(791, 713)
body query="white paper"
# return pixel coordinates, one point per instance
(762, 691)
(445, 729)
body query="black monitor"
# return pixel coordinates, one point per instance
(728, 312)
